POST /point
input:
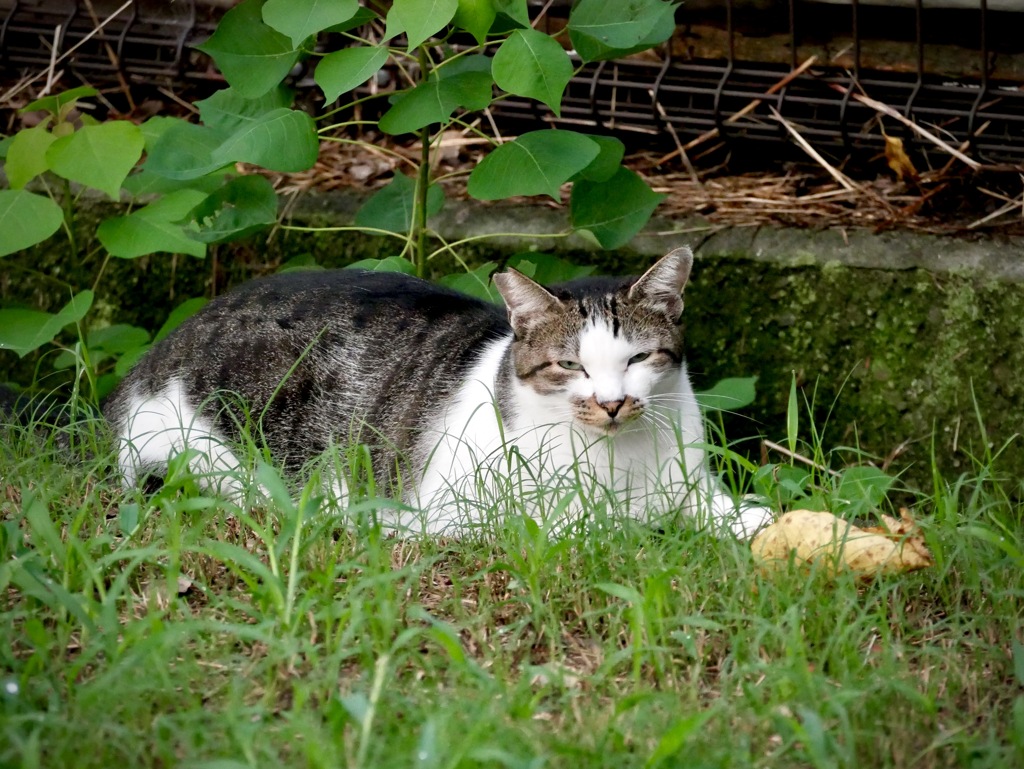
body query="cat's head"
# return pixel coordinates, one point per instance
(599, 350)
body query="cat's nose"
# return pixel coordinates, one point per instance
(612, 407)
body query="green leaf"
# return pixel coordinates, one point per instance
(26, 156)
(531, 64)
(390, 208)
(476, 17)
(341, 71)
(607, 163)
(253, 56)
(729, 394)
(56, 103)
(281, 140)
(547, 269)
(422, 18)
(609, 29)
(676, 737)
(792, 415)
(387, 264)
(356, 705)
(270, 479)
(26, 219)
(861, 490)
(793, 482)
(128, 517)
(179, 315)
(476, 283)
(52, 594)
(117, 339)
(393, 27)
(435, 100)
(185, 152)
(45, 535)
(26, 330)
(156, 127)
(301, 18)
(516, 10)
(613, 211)
(146, 182)
(305, 261)
(537, 163)
(476, 98)
(99, 156)
(362, 17)
(229, 111)
(622, 592)
(248, 567)
(997, 539)
(153, 229)
(243, 206)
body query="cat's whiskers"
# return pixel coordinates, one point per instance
(690, 402)
(660, 421)
(676, 397)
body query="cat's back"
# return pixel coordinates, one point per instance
(318, 312)
(314, 350)
(306, 299)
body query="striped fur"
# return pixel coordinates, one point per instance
(588, 377)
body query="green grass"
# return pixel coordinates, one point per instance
(176, 630)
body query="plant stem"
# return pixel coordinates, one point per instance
(293, 565)
(420, 208)
(69, 219)
(419, 211)
(490, 235)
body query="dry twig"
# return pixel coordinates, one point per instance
(885, 109)
(834, 172)
(800, 458)
(680, 149)
(707, 135)
(54, 62)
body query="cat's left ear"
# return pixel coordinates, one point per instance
(662, 285)
(525, 299)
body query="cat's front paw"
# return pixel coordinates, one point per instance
(744, 519)
(749, 519)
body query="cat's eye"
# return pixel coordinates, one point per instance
(571, 365)
(640, 356)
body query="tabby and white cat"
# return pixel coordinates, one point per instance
(452, 396)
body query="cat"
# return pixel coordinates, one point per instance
(460, 404)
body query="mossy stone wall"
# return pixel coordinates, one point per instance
(899, 363)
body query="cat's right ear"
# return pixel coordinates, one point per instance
(661, 287)
(526, 300)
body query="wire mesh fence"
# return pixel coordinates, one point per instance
(825, 67)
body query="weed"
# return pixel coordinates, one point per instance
(178, 628)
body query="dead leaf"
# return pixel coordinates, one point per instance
(898, 159)
(895, 547)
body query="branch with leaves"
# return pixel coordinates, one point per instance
(458, 56)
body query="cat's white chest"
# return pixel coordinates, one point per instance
(475, 459)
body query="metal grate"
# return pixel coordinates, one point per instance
(147, 38)
(691, 85)
(697, 93)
